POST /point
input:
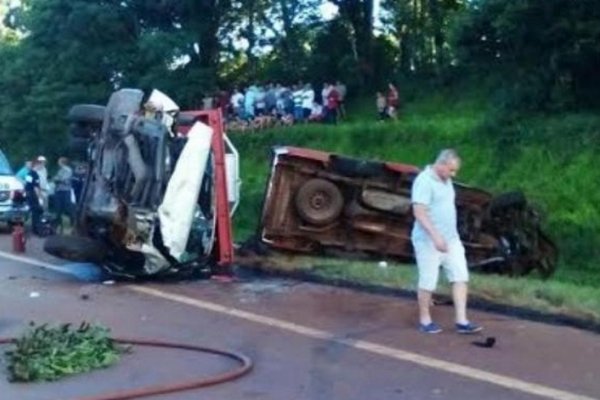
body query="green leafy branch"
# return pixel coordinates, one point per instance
(47, 353)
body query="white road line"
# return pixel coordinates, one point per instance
(386, 351)
(32, 261)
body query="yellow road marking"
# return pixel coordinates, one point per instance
(386, 351)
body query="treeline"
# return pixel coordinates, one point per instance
(531, 54)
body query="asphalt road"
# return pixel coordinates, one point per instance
(307, 341)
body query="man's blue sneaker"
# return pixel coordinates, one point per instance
(468, 328)
(431, 327)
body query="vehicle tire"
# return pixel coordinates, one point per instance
(75, 248)
(355, 168)
(319, 201)
(78, 148)
(80, 130)
(86, 113)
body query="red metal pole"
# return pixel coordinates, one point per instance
(224, 237)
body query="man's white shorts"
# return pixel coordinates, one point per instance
(429, 260)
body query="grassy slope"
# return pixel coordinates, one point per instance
(551, 158)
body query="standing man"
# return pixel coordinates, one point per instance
(237, 103)
(331, 106)
(325, 93)
(437, 243)
(32, 194)
(308, 98)
(341, 89)
(393, 101)
(24, 171)
(63, 191)
(298, 97)
(40, 168)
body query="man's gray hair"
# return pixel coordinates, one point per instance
(446, 156)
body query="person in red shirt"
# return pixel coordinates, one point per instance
(223, 102)
(332, 104)
(392, 101)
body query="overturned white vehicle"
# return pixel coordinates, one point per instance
(155, 199)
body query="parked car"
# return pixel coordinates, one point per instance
(13, 208)
(317, 201)
(154, 201)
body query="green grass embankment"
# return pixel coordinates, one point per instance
(553, 159)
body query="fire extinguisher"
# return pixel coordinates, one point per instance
(18, 239)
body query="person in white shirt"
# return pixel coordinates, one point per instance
(325, 92)
(237, 103)
(308, 98)
(207, 103)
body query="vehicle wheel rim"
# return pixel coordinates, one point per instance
(320, 201)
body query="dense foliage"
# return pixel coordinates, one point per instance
(534, 55)
(544, 54)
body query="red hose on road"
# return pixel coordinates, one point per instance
(243, 369)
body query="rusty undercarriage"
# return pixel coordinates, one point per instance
(316, 202)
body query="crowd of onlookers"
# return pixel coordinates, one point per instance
(261, 106)
(257, 107)
(57, 194)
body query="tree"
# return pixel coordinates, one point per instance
(290, 23)
(358, 14)
(546, 53)
(422, 28)
(332, 56)
(246, 25)
(180, 44)
(71, 51)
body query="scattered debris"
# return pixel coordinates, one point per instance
(489, 342)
